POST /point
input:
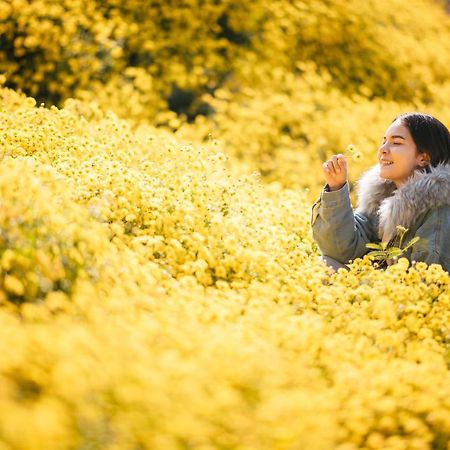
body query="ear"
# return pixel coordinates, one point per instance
(424, 159)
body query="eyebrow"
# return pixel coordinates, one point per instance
(396, 136)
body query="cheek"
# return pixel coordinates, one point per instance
(408, 156)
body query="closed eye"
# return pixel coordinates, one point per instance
(398, 139)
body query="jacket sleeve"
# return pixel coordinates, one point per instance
(339, 232)
(434, 243)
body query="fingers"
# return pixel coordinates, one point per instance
(336, 165)
(328, 167)
(339, 163)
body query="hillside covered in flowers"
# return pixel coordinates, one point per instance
(160, 287)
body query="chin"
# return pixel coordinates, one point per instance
(383, 173)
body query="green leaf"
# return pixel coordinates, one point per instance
(412, 242)
(394, 251)
(376, 254)
(375, 246)
(379, 258)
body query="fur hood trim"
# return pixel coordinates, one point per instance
(402, 206)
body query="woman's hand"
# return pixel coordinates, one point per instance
(335, 171)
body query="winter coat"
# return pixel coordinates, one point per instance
(421, 204)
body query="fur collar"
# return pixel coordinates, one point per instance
(402, 206)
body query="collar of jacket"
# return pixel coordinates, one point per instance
(402, 206)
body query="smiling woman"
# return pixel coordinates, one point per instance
(409, 187)
(398, 154)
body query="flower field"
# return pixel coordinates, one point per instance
(160, 287)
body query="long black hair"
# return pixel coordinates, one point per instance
(430, 135)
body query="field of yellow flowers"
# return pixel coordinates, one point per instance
(159, 287)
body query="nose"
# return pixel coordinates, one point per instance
(383, 148)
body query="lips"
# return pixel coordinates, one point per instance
(386, 163)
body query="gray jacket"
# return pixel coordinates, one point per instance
(421, 204)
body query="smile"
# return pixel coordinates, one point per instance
(386, 163)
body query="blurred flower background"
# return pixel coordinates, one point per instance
(160, 288)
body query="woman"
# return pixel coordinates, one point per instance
(410, 186)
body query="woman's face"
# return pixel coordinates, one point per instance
(398, 156)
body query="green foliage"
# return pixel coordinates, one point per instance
(384, 253)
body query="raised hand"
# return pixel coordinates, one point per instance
(335, 171)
